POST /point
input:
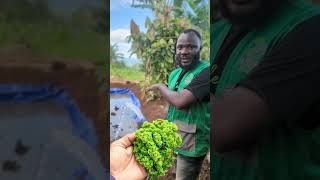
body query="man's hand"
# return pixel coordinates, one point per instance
(123, 164)
(155, 87)
(180, 100)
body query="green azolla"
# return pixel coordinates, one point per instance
(154, 146)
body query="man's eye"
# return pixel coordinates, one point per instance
(191, 46)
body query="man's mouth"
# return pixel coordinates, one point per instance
(185, 59)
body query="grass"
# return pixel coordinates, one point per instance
(126, 73)
(52, 40)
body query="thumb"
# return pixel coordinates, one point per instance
(129, 150)
(127, 140)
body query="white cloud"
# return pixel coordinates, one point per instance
(134, 56)
(128, 2)
(118, 5)
(124, 49)
(119, 35)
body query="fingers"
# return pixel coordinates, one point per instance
(127, 140)
(151, 88)
(148, 89)
(131, 137)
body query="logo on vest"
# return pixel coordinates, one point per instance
(214, 78)
(188, 79)
(253, 55)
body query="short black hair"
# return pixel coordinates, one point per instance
(193, 31)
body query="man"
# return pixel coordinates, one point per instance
(265, 74)
(188, 94)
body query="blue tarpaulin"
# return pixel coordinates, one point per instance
(30, 93)
(134, 99)
(74, 147)
(125, 113)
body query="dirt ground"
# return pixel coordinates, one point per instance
(153, 110)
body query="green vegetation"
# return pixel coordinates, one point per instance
(35, 27)
(53, 41)
(156, 47)
(154, 146)
(119, 69)
(132, 74)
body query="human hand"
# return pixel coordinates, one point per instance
(154, 87)
(123, 164)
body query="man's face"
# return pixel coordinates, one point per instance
(188, 49)
(246, 11)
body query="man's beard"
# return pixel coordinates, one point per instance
(194, 62)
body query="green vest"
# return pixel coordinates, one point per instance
(193, 123)
(285, 153)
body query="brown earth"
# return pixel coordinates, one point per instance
(153, 110)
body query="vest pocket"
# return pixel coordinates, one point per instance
(188, 134)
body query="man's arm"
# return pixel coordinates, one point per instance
(237, 118)
(280, 91)
(197, 90)
(178, 99)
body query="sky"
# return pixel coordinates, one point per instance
(120, 16)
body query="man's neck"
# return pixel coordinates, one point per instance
(191, 67)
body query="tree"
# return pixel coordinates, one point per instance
(156, 47)
(114, 53)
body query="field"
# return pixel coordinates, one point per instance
(126, 73)
(54, 41)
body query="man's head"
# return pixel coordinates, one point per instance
(188, 48)
(248, 11)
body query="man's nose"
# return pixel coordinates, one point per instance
(184, 50)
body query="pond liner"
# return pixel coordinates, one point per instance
(81, 127)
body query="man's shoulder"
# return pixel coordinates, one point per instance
(174, 72)
(309, 24)
(219, 26)
(205, 62)
(220, 23)
(204, 73)
(304, 37)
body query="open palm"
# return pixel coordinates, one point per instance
(123, 164)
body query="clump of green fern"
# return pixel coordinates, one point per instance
(155, 144)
